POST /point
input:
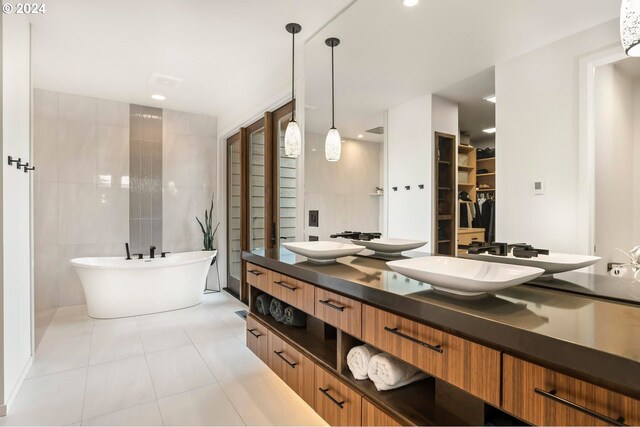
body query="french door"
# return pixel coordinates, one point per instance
(261, 192)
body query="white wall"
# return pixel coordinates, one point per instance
(537, 117)
(16, 142)
(341, 191)
(409, 153)
(614, 150)
(444, 116)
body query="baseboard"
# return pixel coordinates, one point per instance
(16, 389)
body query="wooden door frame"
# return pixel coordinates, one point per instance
(237, 137)
(276, 115)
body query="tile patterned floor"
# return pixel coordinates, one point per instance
(187, 367)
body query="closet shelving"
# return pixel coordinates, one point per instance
(468, 180)
(445, 187)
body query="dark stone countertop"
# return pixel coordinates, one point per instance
(582, 335)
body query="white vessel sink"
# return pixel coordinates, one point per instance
(389, 246)
(323, 252)
(551, 264)
(464, 276)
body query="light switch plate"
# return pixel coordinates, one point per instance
(314, 219)
(538, 187)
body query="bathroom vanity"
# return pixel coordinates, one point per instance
(523, 355)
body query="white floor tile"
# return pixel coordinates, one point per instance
(161, 333)
(203, 406)
(229, 358)
(147, 414)
(117, 385)
(57, 354)
(177, 370)
(265, 399)
(203, 327)
(114, 340)
(54, 399)
(70, 322)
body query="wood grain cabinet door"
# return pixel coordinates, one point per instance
(342, 312)
(297, 370)
(544, 397)
(294, 292)
(258, 277)
(467, 365)
(372, 416)
(257, 339)
(335, 401)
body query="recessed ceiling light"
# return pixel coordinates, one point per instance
(158, 97)
(489, 130)
(410, 3)
(360, 136)
(491, 98)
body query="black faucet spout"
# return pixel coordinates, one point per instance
(152, 252)
(500, 249)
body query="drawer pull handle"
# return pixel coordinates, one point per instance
(284, 285)
(395, 331)
(552, 394)
(252, 332)
(255, 272)
(279, 354)
(334, 306)
(325, 391)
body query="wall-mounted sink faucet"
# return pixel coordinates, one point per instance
(501, 249)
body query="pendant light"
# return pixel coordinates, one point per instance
(293, 136)
(333, 143)
(630, 27)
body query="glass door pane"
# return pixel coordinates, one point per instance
(234, 234)
(286, 187)
(257, 194)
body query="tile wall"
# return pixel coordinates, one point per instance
(82, 154)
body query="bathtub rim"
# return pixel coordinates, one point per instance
(146, 265)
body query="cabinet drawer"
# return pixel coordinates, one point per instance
(257, 339)
(258, 277)
(294, 292)
(335, 401)
(545, 397)
(466, 237)
(293, 367)
(372, 416)
(341, 312)
(467, 365)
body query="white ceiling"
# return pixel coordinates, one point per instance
(390, 54)
(232, 54)
(474, 112)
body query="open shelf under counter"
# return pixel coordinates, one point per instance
(322, 350)
(413, 404)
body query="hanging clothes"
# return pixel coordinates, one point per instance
(488, 220)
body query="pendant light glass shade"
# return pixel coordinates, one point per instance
(293, 140)
(293, 136)
(333, 145)
(630, 27)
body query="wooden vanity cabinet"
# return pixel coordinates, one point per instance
(258, 277)
(293, 292)
(258, 339)
(342, 312)
(372, 416)
(467, 365)
(542, 396)
(336, 402)
(297, 370)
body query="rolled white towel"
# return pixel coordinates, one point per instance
(358, 360)
(388, 373)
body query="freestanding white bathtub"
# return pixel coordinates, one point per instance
(115, 287)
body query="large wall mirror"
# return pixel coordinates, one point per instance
(538, 96)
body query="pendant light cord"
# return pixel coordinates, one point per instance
(333, 94)
(293, 74)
